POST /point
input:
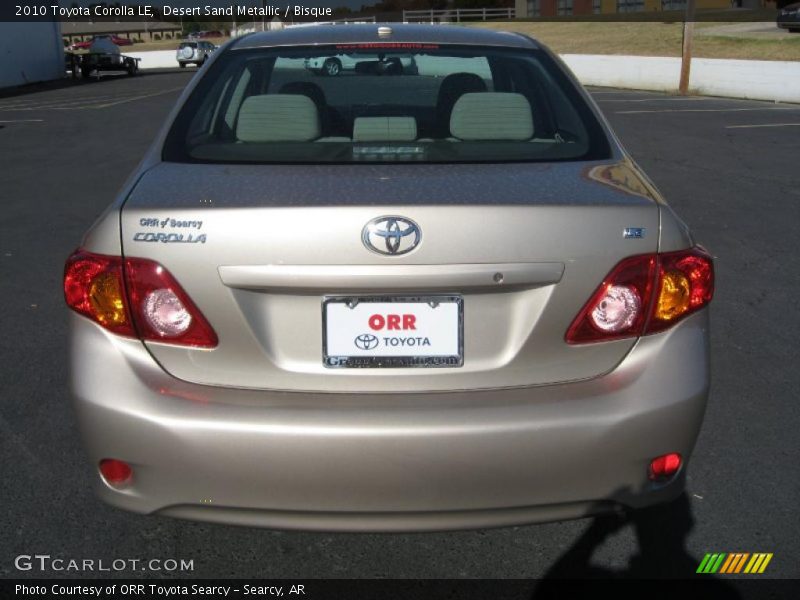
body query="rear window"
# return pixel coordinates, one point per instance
(385, 103)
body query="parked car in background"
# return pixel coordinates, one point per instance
(85, 45)
(388, 303)
(194, 52)
(102, 56)
(789, 17)
(335, 65)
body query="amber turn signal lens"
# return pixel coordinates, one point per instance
(105, 296)
(673, 297)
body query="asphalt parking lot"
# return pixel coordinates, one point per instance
(729, 167)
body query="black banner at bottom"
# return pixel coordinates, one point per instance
(398, 589)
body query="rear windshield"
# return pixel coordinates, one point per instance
(385, 103)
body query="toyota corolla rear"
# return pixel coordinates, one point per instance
(388, 301)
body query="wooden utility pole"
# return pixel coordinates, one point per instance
(686, 56)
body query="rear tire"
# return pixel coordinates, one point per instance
(332, 67)
(182, 65)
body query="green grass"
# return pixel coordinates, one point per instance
(635, 38)
(651, 39)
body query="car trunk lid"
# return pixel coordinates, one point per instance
(259, 249)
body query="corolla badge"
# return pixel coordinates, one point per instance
(391, 235)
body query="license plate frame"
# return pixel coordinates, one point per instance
(416, 361)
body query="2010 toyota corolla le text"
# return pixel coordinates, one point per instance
(427, 299)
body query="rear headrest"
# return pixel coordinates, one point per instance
(305, 88)
(453, 87)
(385, 129)
(278, 118)
(492, 116)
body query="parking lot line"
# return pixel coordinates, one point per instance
(762, 125)
(670, 99)
(597, 93)
(161, 93)
(83, 103)
(44, 102)
(677, 110)
(24, 121)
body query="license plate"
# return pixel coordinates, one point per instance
(419, 331)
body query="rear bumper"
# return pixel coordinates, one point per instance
(370, 462)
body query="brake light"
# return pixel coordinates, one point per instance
(645, 294)
(162, 311)
(618, 307)
(134, 296)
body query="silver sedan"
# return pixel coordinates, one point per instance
(443, 300)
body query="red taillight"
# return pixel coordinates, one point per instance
(619, 305)
(162, 311)
(115, 472)
(664, 467)
(645, 294)
(139, 297)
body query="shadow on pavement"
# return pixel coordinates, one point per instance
(661, 532)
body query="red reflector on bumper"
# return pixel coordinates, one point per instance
(115, 472)
(664, 467)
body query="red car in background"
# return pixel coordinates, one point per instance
(119, 41)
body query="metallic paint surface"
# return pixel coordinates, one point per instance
(257, 432)
(322, 460)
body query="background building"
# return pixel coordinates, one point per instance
(553, 8)
(146, 31)
(30, 52)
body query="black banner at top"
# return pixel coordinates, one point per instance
(239, 11)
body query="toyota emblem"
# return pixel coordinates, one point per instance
(391, 236)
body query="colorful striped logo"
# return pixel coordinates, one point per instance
(733, 563)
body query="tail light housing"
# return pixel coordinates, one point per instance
(134, 297)
(645, 294)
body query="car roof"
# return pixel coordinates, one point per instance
(401, 33)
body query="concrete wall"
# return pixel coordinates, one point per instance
(753, 79)
(30, 52)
